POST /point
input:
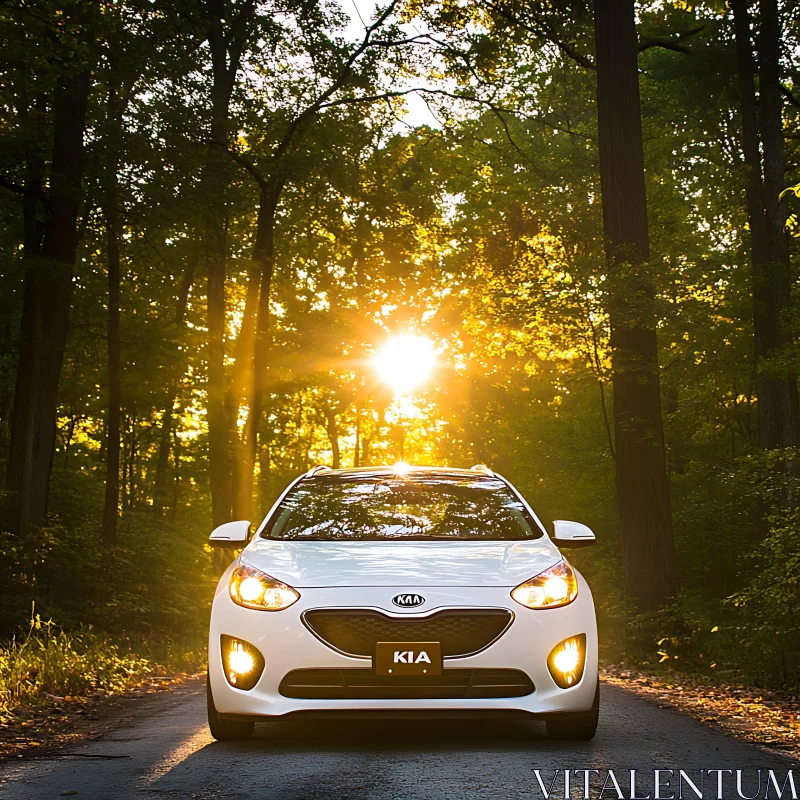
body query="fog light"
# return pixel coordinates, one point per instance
(242, 663)
(566, 661)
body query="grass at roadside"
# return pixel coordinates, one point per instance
(45, 663)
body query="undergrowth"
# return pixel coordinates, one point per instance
(46, 660)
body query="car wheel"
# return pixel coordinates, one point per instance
(224, 730)
(578, 726)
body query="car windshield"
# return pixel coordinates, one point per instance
(425, 506)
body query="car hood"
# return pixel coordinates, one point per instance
(409, 563)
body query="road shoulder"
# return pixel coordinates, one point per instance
(769, 719)
(61, 723)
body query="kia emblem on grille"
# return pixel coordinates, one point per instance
(408, 600)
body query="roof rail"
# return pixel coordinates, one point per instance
(316, 470)
(482, 468)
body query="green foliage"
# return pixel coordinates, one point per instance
(45, 660)
(483, 232)
(157, 582)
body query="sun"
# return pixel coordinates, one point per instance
(405, 362)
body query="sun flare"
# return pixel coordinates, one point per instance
(405, 362)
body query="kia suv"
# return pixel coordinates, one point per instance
(400, 591)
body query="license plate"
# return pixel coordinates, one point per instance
(408, 658)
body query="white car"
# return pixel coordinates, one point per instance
(401, 591)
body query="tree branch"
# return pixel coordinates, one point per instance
(337, 83)
(675, 44)
(249, 166)
(546, 32)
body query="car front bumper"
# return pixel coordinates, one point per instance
(287, 644)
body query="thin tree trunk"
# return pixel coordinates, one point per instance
(111, 504)
(176, 485)
(116, 108)
(46, 302)
(642, 488)
(242, 394)
(265, 479)
(68, 440)
(778, 393)
(219, 433)
(132, 461)
(366, 443)
(264, 257)
(125, 471)
(227, 47)
(164, 446)
(6, 398)
(184, 290)
(161, 485)
(754, 197)
(357, 448)
(332, 429)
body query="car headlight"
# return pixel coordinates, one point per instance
(252, 588)
(552, 588)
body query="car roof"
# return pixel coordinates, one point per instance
(385, 471)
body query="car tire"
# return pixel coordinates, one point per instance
(225, 730)
(578, 726)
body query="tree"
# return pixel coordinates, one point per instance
(776, 383)
(351, 71)
(49, 266)
(227, 28)
(642, 487)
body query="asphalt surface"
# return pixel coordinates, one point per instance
(166, 752)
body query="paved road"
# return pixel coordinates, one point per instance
(169, 754)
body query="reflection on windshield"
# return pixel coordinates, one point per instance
(416, 506)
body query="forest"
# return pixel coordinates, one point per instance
(215, 214)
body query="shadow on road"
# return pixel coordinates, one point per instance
(359, 759)
(399, 734)
(409, 736)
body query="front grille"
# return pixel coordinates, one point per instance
(364, 684)
(356, 632)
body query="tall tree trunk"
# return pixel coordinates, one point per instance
(778, 386)
(227, 47)
(776, 391)
(242, 393)
(642, 488)
(116, 108)
(264, 258)
(754, 198)
(357, 446)
(46, 302)
(219, 432)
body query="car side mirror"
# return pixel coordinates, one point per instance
(572, 534)
(232, 534)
